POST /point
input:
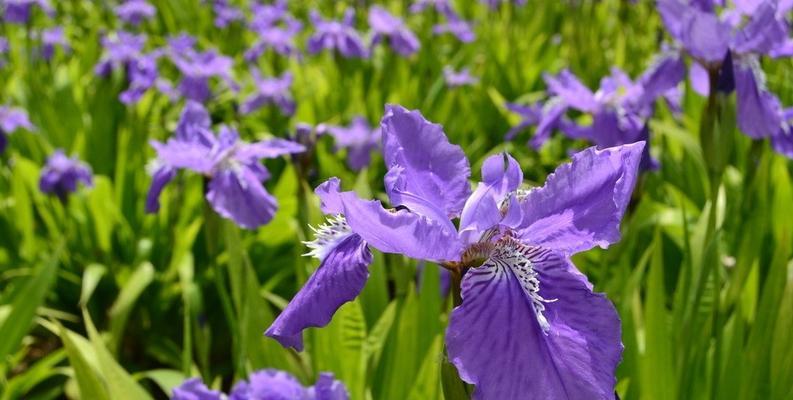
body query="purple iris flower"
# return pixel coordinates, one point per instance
(3, 51)
(459, 78)
(619, 109)
(279, 38)
(273, 91)
(51, 38)
(134, 12)
(276, 30)
(19, 11)
(11, 119)
(268, 14)
(266, 384)
(441, 6)
(195, 389)
(125, 51)
(225, 13)
(181, 43)
(276, 385)
(457, 26)
(120, 48)
(338, 36)
(782, 141)
(530, 115)
(197, 69)
(61, 175)
(235, 189)
(387, 26)
(496, 3)
(142, 76)
(359, 138)
(529, 322)
(730, 44)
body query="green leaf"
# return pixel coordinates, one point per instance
(119, 383)
(166, 379)
(91, 276)
(428, 384)
(88, 379)
(453, 387)
(104, 212)
(658, 369)
(130, 292)
(373, 345)
(24, 302)
(338, 347)
(42, 370)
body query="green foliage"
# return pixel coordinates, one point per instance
(99, 300)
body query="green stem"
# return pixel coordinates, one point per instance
(713, 137)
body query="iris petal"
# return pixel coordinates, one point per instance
(161, 177)
(582, 202)
(328, 193)
(239, 196)
(329, 388)
(574, 93)
(433, 169)
(194, 389)
(402, 231)
(497, 341)
(758, 109)
(339, 279)
(271, 148)
(182, 154)
(501, 175)
(762, 33)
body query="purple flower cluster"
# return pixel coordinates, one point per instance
(197, 68)
(270, 91)
(529, 321)
(619, 109)
(134, 12)
(231, 166)
(358, 138)
(50, 39)
(337, 36)
(61, 174)
(125, 51)
(459, 78)
(225, 13)
(726, 48)
(454, 24)
(267, 384)
(493, 4)
(387, 26)
(275, 29)
(3, 51)
(20, 11)
(11, 119)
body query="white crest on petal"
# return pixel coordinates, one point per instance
(153, 165)
(521, 194)
(515, 257)
(327, 236)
